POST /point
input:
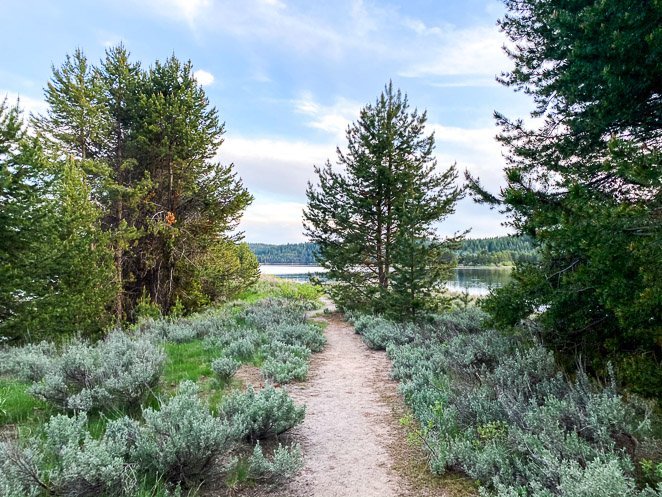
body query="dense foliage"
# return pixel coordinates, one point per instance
(498, 408)
(289, 253)
(55, 261)
(585, 184)
(372, 219)
(127, 433)
(117, 200)
(496, 251)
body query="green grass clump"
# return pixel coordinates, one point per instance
(188, 361)
(275, 287)
(17, 406)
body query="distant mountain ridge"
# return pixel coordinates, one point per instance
(494, 251)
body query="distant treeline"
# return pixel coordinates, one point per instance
(496, 251)
(290, 253)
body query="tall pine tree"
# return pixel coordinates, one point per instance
(55, 262)
(146, 139)
(586, 184)
(372, 218)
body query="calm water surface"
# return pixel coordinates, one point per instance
(476, 281)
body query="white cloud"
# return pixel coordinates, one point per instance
(190, 10)
(459, 52)
(332, 119)
(276, 171)
(274, 3)
(29, 105)
(273, 222)
(277, 167)
(203, 77)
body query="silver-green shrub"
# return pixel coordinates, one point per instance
(255, 415)
(271, 312)
(225, 367)
(498, 408)
(285, 362)
(180, 441)
(190, 328)
(116, 372)
(306, 335)
(68, 461)
(284, 464)
(30, 362)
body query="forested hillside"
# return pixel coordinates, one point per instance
(495, 251)
(290, 253)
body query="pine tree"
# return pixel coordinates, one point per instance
(372, 220)
(55, 273)
(586, 183)
(146, 140)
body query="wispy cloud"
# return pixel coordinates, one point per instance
(460, 52)
(29, 105)
(189, 10)
(276, 167)
(332, 119)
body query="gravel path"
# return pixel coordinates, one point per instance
(348, 428)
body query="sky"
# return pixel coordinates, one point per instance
(288, 77)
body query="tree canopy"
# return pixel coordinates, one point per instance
(117, 199)
(372, 217)
(585, 184)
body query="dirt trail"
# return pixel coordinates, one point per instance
(349, 430)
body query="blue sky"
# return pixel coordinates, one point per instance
(288, 76)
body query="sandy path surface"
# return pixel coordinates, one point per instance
(349, 425)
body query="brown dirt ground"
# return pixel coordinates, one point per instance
(352, 441)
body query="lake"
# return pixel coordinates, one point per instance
(474, 280)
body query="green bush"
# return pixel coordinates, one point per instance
(499, 408)
(262, 414)
(115, 373)
(180, 441)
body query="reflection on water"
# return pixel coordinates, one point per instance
(475, 281)
(478, 281)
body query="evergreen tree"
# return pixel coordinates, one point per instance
(586, 183)
(55, 273)
(146, 140)
(372, 220)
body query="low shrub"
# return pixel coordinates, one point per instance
(225, 368)
(29, 363)
(244, 347)
(255, 415)
(285, 362)
(186, 329)
(180, 441)
(68, 461)
(305, 335)
(178, 444)
(271, 312)
(498, 408)
(115, 373)
(285, 463)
